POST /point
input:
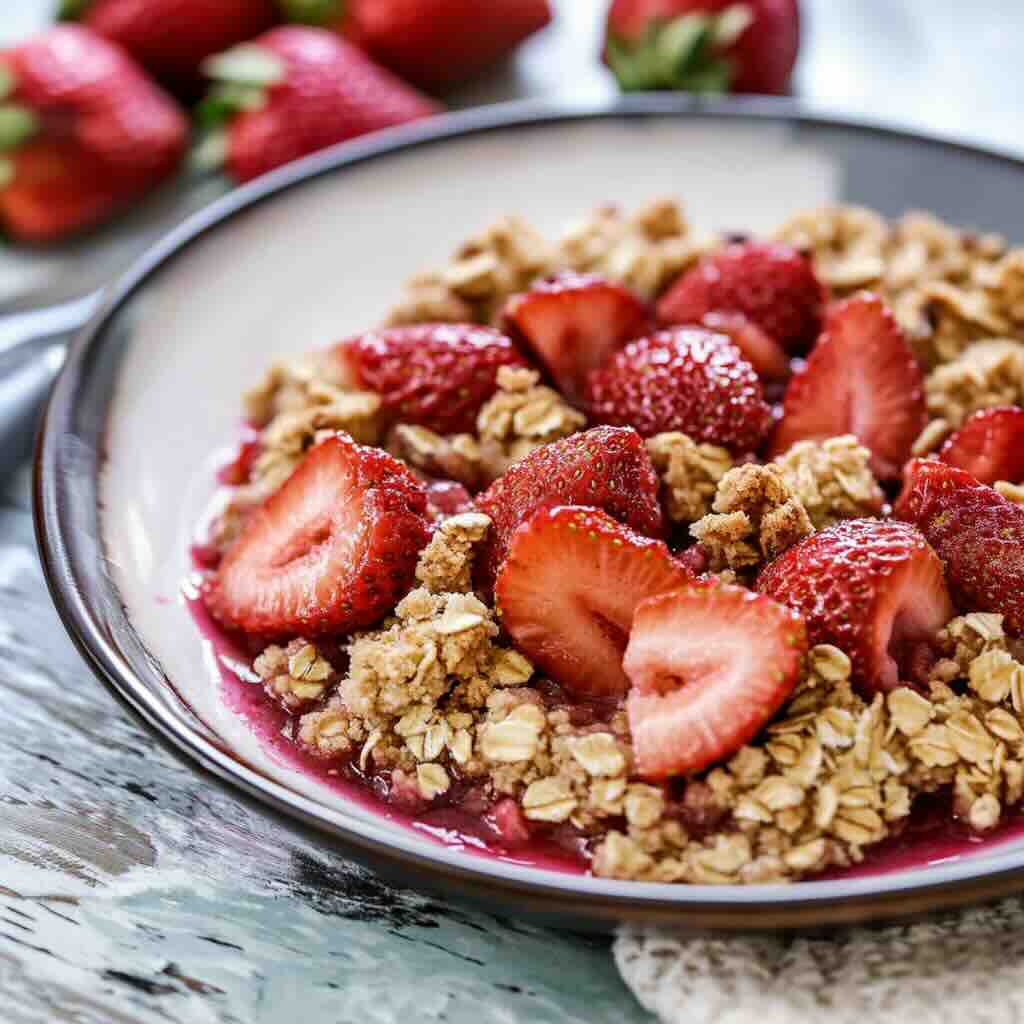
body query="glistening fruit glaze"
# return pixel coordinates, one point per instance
(931, 835)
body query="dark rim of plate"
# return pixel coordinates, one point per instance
(534, 890)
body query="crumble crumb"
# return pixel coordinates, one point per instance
(756, 517)
(520, 417)
(932, 437)
(832, 479)
(689, 473)
(846, 244)
(1011, 491)
(296, 676)
(445, 566)
(986, 374)
(835, 773)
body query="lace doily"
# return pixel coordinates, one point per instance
(964, 966)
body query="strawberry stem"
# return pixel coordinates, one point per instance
(247, 64)
(211, 153)
(312, 12)
(17, 124)
(681, 53)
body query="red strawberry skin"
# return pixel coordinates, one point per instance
(771, 284)
(170, 38)
(331, 92)
(105, 134)
(989, 446)
(437, 44)
(873, 588)
(759, 60)
(331, 551)
(606, 468)
(568, 590)
(765, 354)
(862, 378)
(434, 375)
(709, 665)
(978, 534)
(573, 322)
(687, 378)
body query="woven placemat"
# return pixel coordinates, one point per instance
(961, 966)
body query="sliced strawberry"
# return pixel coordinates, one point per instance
(978, 534)
(771, 284)
(862, 379)
(329, 552)
(434, 375)
(573, 323)
(874, 588)
(568, 590)
(764, 353)
(688, 379)
(447, 498)
(989, 446)
(708, 665)
(607, 468)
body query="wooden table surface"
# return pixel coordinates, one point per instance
(134, 891)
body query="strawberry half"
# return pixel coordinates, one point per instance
(688, 379)
(331, 551)
(989, 446)
(573, 323)
(568, 590)
(434, 375)
(978, 534)
(874, 588)
(771, 284)
(708, 665)
(862, 378)
(765, 354)
(606, 468)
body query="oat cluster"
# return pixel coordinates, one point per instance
(755, 516)
(522, 416)
(645, 251)
(435, 697)
(947, 287)
(835, 774)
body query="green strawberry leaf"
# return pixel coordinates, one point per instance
(225, 100)
(728, 26)
(7, 82)
(312, 12)
(210, 153)
(17, 124)
(70, 10)
(246, 64)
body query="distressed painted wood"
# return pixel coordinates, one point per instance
(134, 890)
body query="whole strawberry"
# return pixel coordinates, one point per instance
(606, 468)
(434, 375)
(331, 551)
(83, 132)
(295, 90)
(171, 38)
(977, 533)
(433, 43)
(871, 587)
(769, 283)
(703, 45)
(688, 379)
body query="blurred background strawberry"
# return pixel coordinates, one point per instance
(703, 45)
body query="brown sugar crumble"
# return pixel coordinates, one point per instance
(438, 702)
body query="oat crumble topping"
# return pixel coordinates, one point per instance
(756, 516)
(436, 697)
(522, 416)
(832, 479)
(690, 474)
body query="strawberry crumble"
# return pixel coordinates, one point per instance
(698, 558)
